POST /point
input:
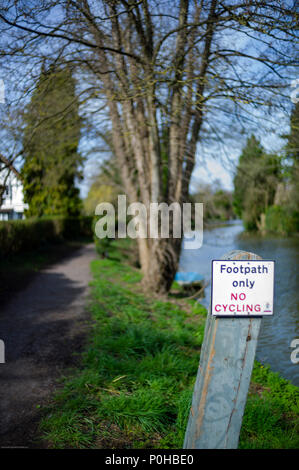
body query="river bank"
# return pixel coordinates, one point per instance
(135, 383)
(277, 332)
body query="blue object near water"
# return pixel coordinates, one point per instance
(188, 278)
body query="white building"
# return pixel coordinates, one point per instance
(13, 200)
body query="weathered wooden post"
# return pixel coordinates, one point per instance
(228, 351)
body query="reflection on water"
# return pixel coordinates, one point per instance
(279, 330)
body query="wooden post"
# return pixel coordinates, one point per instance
(223, 378)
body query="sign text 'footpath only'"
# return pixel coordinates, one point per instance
(242, 288)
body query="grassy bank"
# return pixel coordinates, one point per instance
(135, 384)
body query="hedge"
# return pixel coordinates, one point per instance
(27, 235)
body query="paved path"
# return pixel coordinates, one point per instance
(41, 326)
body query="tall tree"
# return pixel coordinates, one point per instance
(255, 182)
(292, 154)
(168, 72)
(51, 137)
(293, 138)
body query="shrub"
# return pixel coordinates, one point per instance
(281, 221)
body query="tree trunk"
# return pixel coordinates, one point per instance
(162, 262)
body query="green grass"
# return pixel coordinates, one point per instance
(135, 385)
(271, 418)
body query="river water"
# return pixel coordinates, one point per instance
(279, 330)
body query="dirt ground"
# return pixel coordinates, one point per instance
(42, 327)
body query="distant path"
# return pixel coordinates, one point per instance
(41, 326)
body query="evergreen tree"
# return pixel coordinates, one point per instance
(293, 137)
(252, 152)
(51, 137)
(255, 183)
(292, 152)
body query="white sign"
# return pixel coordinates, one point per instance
(242, 288)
